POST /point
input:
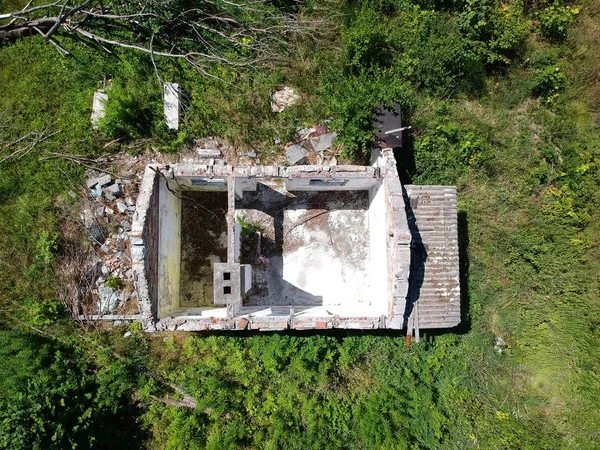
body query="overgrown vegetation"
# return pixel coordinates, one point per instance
(503, 100)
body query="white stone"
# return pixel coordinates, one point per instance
(98, 107)
(172, 100)
(283, 98)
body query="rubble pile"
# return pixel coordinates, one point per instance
(312, 146)
(108, 217)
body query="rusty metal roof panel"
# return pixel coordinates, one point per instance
(435, 282)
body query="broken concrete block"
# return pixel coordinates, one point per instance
(324, 142)
(114, 189)
(97, 191)
(92, 182)
(122, 207)
(104, 180)
(208, 153)
(283, 98)
(110, 197)
(296, 154)
(98, 107)
(172, 100)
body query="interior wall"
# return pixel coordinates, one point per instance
(169, 248)
(329, 184)
(378, 269)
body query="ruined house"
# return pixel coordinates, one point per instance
(217, 247)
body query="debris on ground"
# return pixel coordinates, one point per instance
(283, 98)
(108, 214)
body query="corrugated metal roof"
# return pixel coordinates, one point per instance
(435, 281)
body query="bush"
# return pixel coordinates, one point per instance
(555, 21)
(365, 40)
(548, 83)
(496, 33)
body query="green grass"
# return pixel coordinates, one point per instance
(525, 159)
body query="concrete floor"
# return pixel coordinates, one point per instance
(203, 242)
(313, 250)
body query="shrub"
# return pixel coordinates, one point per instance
(555, 21)
(548, 83)
(365, 40)
(496, 33)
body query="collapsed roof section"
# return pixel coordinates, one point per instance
(216, 247)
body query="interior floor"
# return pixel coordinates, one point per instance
(308, 249)
(203, 242)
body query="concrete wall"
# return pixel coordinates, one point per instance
(331, 184)
(243, 184)
(398, 240)
(378, 264)
(202, 183)
(144, 247)
(169, 248)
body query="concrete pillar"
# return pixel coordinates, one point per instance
(98, 107)
(172, 103)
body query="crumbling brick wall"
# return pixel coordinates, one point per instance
(144, 245)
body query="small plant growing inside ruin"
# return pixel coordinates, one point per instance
(113, 282)
(247, 227)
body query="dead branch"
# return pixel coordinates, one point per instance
(29, 141)
(196, 35)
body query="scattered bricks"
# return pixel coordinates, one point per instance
(122, 207)
(97, 191)
(104, 180)
(114, 189)
(242, 323)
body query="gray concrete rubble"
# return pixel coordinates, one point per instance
(221, 247)
(108, 216)
(296, 154)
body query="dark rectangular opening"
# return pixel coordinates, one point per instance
(227, 276)
(328, 182)
(226, 289)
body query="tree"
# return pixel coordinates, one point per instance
(202, 33)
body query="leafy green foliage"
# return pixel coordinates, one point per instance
(132, 110)
(555, 21)
(528, 175)
(49, 399)
(547, 83)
